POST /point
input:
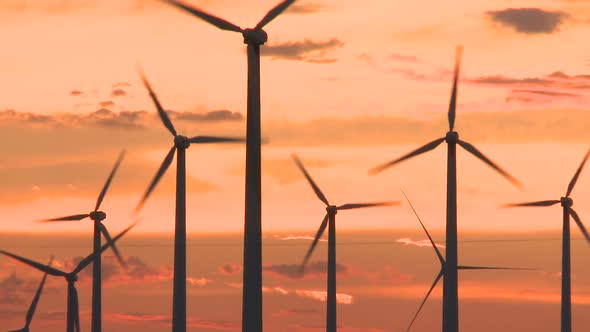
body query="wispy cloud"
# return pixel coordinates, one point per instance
(418, 243)
(297, 237)
(306, 50)
(529, 20)
(162, 319)
(342, 298)
(296, 312)
(312, 269)
(202, 281)
(304, 8)
(404, 58)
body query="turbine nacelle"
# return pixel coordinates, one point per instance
(97, 215)
(567, 202)
(181, 142)
(71, 277)
(255, 36)
(452, 137)
(332, 210)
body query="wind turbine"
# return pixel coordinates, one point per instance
(181, 144)
(450, 295)
(73, 312)
(97, 217)
(443, 265)
(33, 306)
(252, 277)
(330, 223)
(566, 203)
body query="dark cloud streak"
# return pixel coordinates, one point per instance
(306, 50)
(529, 20)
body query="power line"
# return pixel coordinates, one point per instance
(294, 244)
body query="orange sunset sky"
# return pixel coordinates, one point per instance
(346, 85)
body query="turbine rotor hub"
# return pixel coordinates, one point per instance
(98, 215)
(181, 142)
(332, 209)
(255, 36)
(567, 202)
(452, 137)
(72, 277)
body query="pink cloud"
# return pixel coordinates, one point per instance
(198, 281)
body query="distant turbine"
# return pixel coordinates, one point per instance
(444, 265)
(98, 216)
(330, 222)
(566, 203)
(181, 144)
(252, 276)
(73, 312)
(450, 295)
(33, 306)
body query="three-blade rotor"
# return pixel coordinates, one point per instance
(224, 24)
(451, 137)
(442, 261)
(565, 201)
(330, 209)
(73, 306)
(179, 141)
(96, 213)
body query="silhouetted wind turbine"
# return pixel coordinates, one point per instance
(73, 312)
(98, 216)
(330, 223)
(443, 264)
(33, 306)
(252, 277)
(450, 295)
(181, 144)
(566, 203)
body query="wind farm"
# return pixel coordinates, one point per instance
(231, 240)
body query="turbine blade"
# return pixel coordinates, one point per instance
(453, 103)
(463, 267)
(572, 183)
(44, 268)
(580, 225)
(105, 232)
(165, 164)
(69, 218)
(440, 274)
(83, 263)
(420, 150)
(33, 306)
(273, 13)
(209, 139)
(538, 203)
(108, 183)
(318, 235)
(471, 149)
(161, 112)
(214, 20)
(316, 189)
(438, 254)
(366, 205)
